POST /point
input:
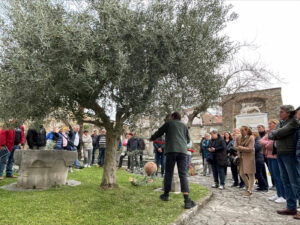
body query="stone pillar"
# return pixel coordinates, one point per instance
(175, 181)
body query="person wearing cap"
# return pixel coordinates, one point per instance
(87, 148)
(177, 137)
(284, 141)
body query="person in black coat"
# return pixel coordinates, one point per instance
(217, 147)
(260, 164)
(36, 139)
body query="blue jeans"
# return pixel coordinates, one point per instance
(275, 174)
(160, 160)
(218, 172)
(262, 183)
(290, 178)
(188, 162)
(3, 162)
(101, 156)
(10, 162)
(76, 163)
(93, 154)
(298, 164)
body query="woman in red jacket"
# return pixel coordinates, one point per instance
(6, 141)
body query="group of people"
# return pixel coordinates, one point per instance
(246, 150)
(132, 147)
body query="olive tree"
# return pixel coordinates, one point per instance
(106, 62)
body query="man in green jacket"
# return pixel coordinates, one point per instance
(284, 141)
(177, 138)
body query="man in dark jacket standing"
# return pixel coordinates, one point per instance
(218, 149)
(36, 139)
(284, 136)
(177, 138)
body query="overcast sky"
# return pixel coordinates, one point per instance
(274, 27)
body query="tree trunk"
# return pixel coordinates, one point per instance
(109, 178)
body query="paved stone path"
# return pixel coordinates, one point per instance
(229, 207)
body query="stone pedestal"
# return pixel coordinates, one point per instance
(175, 181)
(43, 169)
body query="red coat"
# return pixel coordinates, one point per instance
(7, 138)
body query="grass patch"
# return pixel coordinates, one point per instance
(87, 204)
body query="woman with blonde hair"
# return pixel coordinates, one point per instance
(271, 156)
(244, 146)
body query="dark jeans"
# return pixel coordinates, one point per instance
(160, 160)
(235, 175)
(180, 159)
(93, 154)
(275, 174)
(3, 163)
(121, 161)
(101, 156)
(10, 162)
(262, 183)
(218, 173)
(290, 178)
(133, 158)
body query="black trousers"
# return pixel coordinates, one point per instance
(181, 160)
(121, 161)
(235, 175)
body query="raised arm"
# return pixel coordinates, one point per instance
(160, 132)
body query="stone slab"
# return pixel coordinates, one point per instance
(14, 187)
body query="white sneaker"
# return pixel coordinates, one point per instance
(89, 166)
(85, 165)
(273, 198)
(280, 200)
(221, 187)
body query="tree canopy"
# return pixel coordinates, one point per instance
(110, 59)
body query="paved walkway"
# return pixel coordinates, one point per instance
(229, 207)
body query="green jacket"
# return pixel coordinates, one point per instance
(177, 136)
(284, 135)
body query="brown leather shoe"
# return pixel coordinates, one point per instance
(297, 216)
(12, 176)
(247, 194)
(287, 212)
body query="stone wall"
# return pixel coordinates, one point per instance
(260, 101)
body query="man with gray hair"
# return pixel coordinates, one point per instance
(284, 141)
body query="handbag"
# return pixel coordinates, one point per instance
(210, 158)
(3, 151)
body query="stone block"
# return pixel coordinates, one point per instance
(43, 169)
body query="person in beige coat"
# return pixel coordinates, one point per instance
(244, 146)
(87, 148)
